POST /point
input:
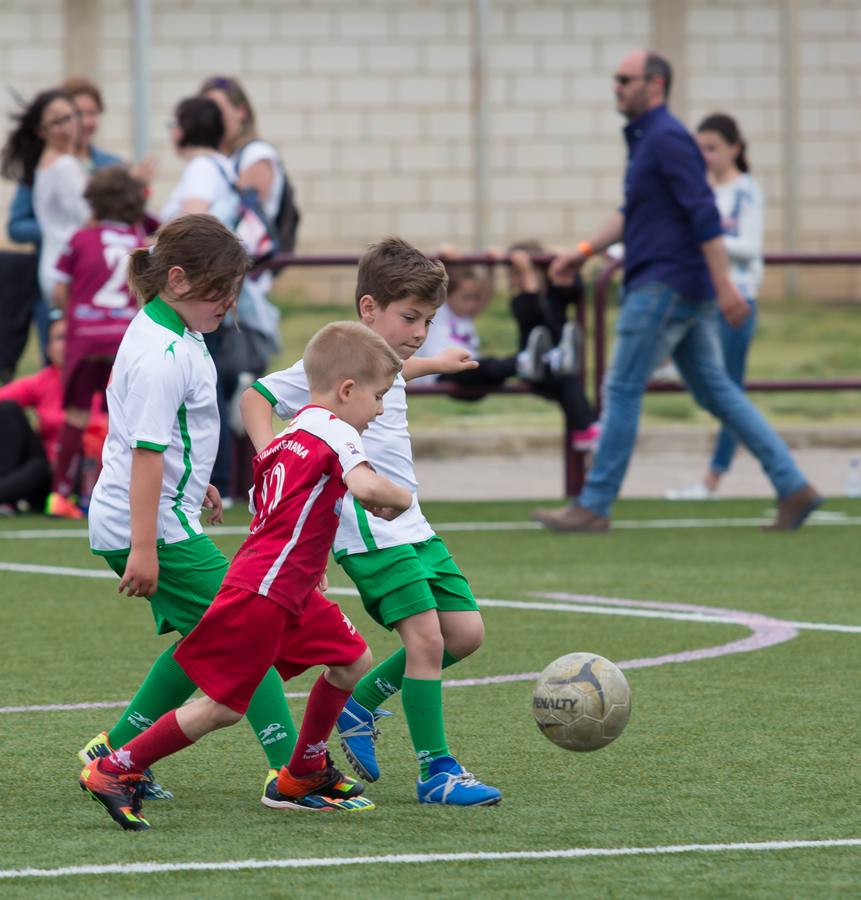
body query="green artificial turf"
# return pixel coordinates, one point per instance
(746, 747)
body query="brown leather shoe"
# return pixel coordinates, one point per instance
(793, 509)
(572, 518)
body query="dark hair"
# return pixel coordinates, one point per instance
(658, 67)
(200, 123)
(237, 97)
(77, 85)
(24, 145)
(214, 260)
(392, 270)
(458, 273)
(115, 194)
(727, 127)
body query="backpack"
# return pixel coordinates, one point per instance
(249, 221)
(287, 217)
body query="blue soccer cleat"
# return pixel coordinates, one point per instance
(358, 730)
(448, 783)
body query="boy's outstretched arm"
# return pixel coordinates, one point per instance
(446, 362)
(257, 418)
(378, 495)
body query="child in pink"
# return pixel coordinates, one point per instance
(92, 289)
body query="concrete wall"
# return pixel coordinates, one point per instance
(370, 104)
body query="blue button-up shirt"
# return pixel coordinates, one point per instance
(669, 207)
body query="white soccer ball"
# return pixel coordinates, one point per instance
(581, 701)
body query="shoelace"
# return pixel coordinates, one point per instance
(467, 779)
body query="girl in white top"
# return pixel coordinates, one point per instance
(40, 153)
(144, 516)
(741, 205)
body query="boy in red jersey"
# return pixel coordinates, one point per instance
(269, 611)
(92, 290)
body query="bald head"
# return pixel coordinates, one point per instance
(642, 82)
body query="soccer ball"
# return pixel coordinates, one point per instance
(581, 701)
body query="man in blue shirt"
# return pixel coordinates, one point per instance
(676, 278)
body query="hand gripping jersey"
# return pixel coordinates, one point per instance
(297, 496)
(161, 397)
(389, 450)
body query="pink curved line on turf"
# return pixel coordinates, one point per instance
(765, 632)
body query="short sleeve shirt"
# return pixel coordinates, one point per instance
(95, 266)
(297, 498)
(161, 397)
(389, 450)
(209, 177)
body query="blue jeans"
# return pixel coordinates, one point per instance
(656, 322)
(734, 343)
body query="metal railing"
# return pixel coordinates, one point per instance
(574, 460)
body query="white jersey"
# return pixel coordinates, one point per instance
(742, 211)
(388, 449)
(161, 397)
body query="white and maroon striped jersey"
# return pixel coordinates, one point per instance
(297, 497)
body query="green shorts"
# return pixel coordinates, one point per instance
(402, 581)
(189, 576)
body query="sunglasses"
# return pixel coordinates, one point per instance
(624, 80)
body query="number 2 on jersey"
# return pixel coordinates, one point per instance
(113, 294)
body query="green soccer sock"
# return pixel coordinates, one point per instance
(387, 678)
(165, 687)
(422, 701)
(269, 716)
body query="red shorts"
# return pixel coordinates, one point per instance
(86, 377)
(242, 634)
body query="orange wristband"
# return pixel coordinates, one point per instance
(585, 248)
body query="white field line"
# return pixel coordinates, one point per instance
(148, 868)
(576, 603)
(818, 518)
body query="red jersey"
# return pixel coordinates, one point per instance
(297, 495)
(95, 266)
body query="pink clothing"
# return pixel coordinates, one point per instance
(43, 393)
(95, 266)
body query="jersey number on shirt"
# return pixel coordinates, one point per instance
(273, 484)
(113, 294)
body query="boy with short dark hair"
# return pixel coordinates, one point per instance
(406, 577)
(269, 611)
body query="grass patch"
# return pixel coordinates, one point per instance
(747, 747)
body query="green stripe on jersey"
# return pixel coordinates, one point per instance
(181, 415)
(160, 312)
(149, 445)
(264, 392)
(364, 526)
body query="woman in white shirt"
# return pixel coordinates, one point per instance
(207, 181)
(244, 354)
(741, 205)
(40, 153)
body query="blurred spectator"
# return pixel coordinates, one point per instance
(742, 208)
(675, 262)
(206, 184)
(23, 226)
(548, 352)
(243, 354)
(25, 458)
(92, 288)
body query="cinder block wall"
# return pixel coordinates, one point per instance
(370, 105)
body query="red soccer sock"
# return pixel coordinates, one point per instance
(159, 740)
(325, 704)
(69, 443)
